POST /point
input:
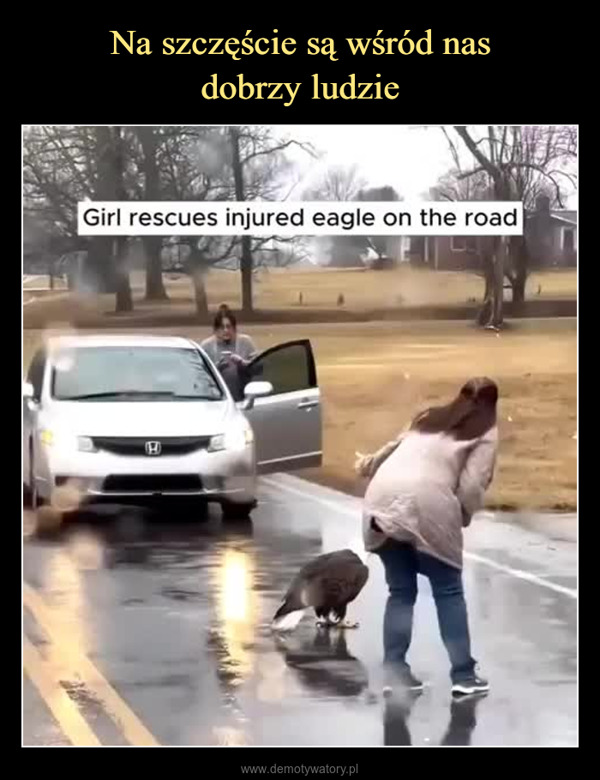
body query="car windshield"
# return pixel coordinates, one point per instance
(132, 373)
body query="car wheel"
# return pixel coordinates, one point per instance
(235, 511)
(34, 499)
(26, 496)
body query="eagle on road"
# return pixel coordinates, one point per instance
(327, 584)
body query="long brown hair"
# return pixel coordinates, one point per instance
(224, 313)
(471, 414)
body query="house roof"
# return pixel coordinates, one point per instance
(564, 220)
(569, 214)
(558, 216)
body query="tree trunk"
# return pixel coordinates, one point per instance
(99, 273)
(198, 270)
(98, 270)
(484, 314)
(498, 284)
(246, 259)
(500, 176)
(155, 289)
(491, 313)
(518, 289)
(247, 263)
(501, 192)
(124, 299)
(200, 297)
(73, 270)
(487, 292)
(520, 262)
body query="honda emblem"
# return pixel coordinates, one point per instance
(153, 448)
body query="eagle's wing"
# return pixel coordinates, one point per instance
(312, 572)
(339, 582)
(298, 595)
(332, 578)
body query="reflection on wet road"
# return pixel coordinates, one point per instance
(163, 629)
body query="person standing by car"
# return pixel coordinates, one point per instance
(424, 488)
(229, 350)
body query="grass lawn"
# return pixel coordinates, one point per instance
(280, 290)
(374, 376)
(362, 289)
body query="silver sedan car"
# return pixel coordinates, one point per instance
(128, 418)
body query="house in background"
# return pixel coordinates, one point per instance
(551, 236)
(448, 253)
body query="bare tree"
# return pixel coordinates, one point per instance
(149, 138)
(519, 162)
(58, 171)
(194, 168)
(257, 162)
(63, 165)
(543, 166)
(338, 183)
(110, 185)
(453, 186)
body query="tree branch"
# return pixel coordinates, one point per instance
(486, 164)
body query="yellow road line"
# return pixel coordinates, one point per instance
(70, 720)
(124, 718)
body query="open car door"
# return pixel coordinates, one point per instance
(287, 424)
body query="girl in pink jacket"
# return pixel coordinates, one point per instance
(424, 488)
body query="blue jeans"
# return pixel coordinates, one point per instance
(402, 562)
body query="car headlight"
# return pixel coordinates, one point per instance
(234, 439)
(85, 444)
(46, 437)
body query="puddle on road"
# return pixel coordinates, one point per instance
(182, 595)
(199, 598)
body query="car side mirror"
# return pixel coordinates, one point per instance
(28, 391)
(254, 390)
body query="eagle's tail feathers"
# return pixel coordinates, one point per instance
(285, 607)
(287, 621)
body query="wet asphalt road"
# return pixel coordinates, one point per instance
(158, 632)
